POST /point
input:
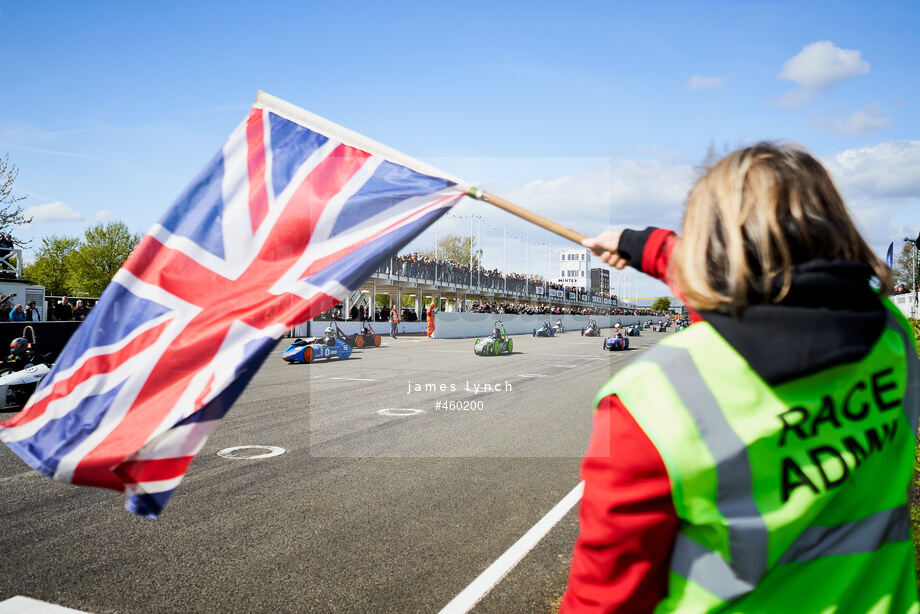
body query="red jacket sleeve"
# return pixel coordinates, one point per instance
(626, 517)
(649, 250)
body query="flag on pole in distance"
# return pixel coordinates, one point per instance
(289, 217)
(889, 256)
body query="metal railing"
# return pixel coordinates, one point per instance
(523, 289)
(11, 263)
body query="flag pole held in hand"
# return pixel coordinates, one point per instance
(530, 216)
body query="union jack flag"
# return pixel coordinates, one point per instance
(289, 217)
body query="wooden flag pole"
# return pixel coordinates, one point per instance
(530, 216)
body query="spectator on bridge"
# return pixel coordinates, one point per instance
(17, 314)
(731, 469)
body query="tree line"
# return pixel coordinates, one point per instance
(73, 266)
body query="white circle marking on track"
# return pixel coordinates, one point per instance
(272, 451)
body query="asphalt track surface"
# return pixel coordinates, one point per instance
(362, 513)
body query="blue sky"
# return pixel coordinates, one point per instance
(590, 113)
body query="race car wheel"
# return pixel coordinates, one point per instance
(359, 342)
(308, 355)
(376, 341)
(510, 345)
(496, 348)
(582, 332)
(535, 332)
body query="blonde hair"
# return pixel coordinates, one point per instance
(752, 218)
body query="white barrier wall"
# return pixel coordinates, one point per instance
(904, 302)
(449, 325)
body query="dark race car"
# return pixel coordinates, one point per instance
(591, 329)
(616, 343)
(307, 350)
(496, 343)
(633, 331)
(544, 331)
(367, 338)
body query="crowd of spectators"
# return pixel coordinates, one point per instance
(900, 289)
(448, 271)
(452, 272)
(382, 314)
(529, 309)
(361, 314)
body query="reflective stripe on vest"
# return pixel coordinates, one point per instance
(748, 536)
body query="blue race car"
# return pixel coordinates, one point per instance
(544, 331)
(328, 346)
(616, 343)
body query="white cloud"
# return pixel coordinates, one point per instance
(881, 186)
(817, 67)
(861, 121)
(887, 170)
(52, 212)
(624, 192)
(698, 83)
(102, 215)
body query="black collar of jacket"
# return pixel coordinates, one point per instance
(831, 316)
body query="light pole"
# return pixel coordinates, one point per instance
(505, 259)
(913, 274)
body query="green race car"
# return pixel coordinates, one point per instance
(496, 343)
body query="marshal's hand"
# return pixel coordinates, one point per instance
(605, 246)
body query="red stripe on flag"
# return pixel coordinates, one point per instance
(174, 271)
(255, 140)
(324, 182)
(137, 471)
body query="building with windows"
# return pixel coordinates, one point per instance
(600, 280)
(574, 268)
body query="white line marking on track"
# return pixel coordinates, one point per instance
(493, 574)
(400, 412)
(531, 375)
(21, 605)
(565, 366)
(355, 379)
